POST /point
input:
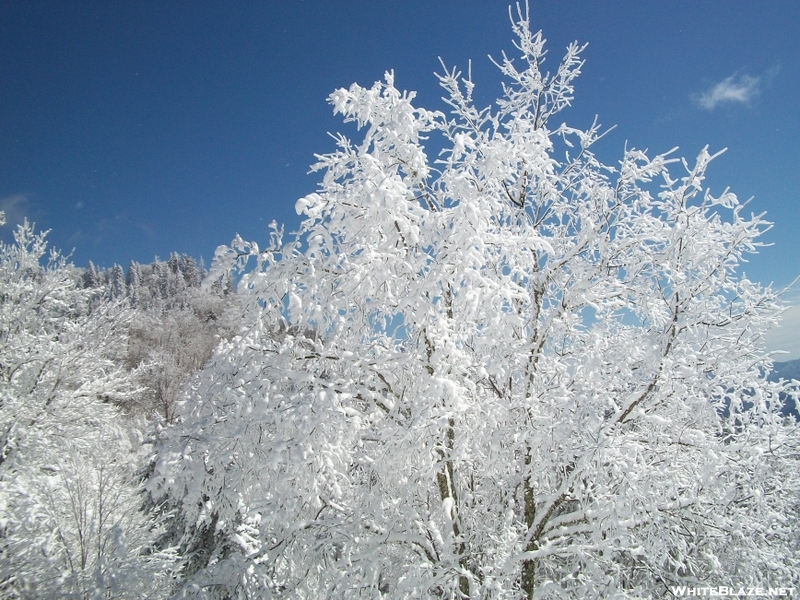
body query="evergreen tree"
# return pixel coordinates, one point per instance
(133, 283)
(160, 280)
(191, 273)
(90, 276)
(117, 287)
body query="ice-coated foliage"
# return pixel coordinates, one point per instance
(70, 519)
(166, 347)
(499, 372)
(173, 329)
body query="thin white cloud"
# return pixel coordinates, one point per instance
(786, 336)
(16, 208)
(734, 89)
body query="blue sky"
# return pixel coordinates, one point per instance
(133, 129)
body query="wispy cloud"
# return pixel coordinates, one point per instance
(786, 336)
(732, 90)
(16, 208)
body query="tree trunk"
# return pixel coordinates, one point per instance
(447, 490)
(529, 566)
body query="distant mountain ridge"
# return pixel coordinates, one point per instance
(789, 369)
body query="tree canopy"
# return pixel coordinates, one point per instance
(507, 370)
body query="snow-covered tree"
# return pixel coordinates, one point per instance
(176, 328)
(510, 371)
(91, 278)
(116, 283)
(192, 274)
(133, 283)
(70, 519)
(166, 346)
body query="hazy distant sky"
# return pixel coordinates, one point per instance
(133, 129)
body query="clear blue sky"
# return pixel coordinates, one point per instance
(133, 129)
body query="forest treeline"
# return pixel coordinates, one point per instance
(178, 322)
